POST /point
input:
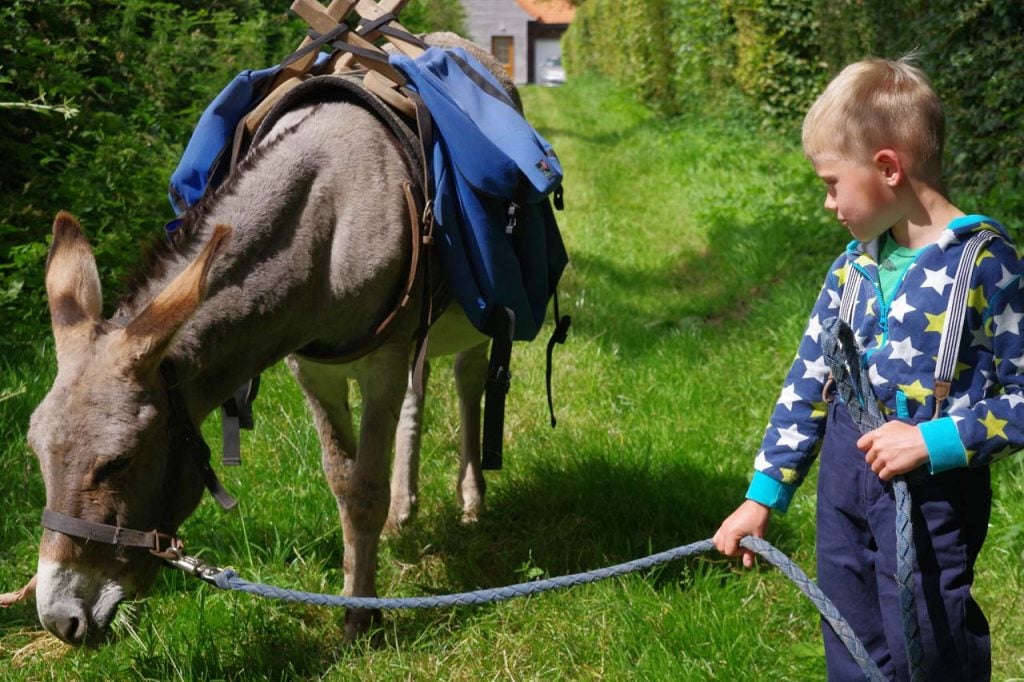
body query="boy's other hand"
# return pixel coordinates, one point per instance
(750, 518)
(894, 448)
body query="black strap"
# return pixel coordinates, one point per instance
(361, 52)
(480, 81)
(185, 437)
(236, 414)
(562, 324)
(317, 41)
(379, 25)
(498, 380)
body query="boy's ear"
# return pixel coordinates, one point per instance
(890, 166)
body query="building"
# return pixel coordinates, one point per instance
(522, 34)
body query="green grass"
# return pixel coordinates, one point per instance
(697, 247)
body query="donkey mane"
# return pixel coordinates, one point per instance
(160, 252)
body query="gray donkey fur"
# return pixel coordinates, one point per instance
(306, 243)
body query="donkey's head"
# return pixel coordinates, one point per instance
(102, 436)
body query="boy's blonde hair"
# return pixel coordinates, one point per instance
(879, 104)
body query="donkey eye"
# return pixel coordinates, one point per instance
(112, 466)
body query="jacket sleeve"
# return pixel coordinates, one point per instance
(797, 424)
(980, 432)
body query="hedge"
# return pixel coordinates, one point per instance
(772, 58)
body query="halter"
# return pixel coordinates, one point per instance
(185, 438)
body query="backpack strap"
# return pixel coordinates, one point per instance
(956, 313)
(503, 324)
(559, 335)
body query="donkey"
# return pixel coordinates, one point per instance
(304, 246)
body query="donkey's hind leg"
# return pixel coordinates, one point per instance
(470, 380)
(405, 473)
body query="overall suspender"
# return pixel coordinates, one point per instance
(956, 312)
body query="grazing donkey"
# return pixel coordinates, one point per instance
(304, 246)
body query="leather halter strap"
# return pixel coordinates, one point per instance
(153, 540)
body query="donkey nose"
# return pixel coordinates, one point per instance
(70, 622)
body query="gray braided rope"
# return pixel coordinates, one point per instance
(854, 386)
(228, 579)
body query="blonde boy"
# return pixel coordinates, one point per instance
(875, 138)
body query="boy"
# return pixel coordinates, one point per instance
(875, 139)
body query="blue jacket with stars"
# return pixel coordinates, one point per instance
(898, 334)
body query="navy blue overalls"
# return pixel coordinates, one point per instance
(856, 548)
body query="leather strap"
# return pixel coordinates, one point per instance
(111, 535)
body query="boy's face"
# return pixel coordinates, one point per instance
(860, 193)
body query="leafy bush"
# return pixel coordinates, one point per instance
(974, 53)
(626, 41)
(137, 73)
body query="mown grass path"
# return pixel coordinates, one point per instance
(697, 247)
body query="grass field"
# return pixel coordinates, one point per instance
(697, 247)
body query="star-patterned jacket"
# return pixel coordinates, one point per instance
(898, 334)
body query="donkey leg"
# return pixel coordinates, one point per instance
(382, 378)
(356, 472)
(470, 378)
(405, 473)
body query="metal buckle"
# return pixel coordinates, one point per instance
(428, 218)
(173, 545)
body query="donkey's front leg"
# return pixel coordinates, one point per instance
(362, 489)
(356, 473)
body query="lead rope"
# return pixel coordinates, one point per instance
(854, 388)
(228, 579)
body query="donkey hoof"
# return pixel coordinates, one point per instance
(471, 515)
(399, 520)
(358, 622)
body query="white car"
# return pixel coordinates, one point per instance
(552, 73)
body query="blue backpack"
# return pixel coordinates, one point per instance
(492, 174)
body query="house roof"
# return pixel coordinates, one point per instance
(549, 11)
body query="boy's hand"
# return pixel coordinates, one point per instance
(750, 518)
(893, 449)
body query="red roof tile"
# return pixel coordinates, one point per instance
(549, 11)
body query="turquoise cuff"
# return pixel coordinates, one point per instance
(769, 492)
(945, 450)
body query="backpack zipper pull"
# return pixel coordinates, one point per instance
(513, 209)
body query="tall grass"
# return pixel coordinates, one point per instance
(697, 247)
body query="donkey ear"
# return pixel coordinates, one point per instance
(72, 286)
(149, 334)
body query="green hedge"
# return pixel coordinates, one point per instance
(137, 74)
(772, 57)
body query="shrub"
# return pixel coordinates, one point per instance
(138, 73)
